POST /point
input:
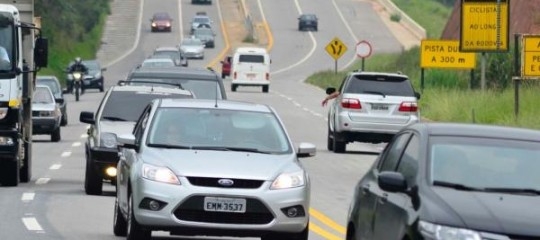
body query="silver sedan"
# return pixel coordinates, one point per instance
(207, 167)
(192, 48)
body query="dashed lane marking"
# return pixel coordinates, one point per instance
(76, 144)
(55, 166)
(66, 154)
(42, 181)
(26, 197)
(32, 224)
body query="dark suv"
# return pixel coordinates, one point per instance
(94, 78)
(371, 107)
(205, 83)
(117, 113)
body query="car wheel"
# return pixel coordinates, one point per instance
(265, 88)
(64, 120)
(102, 85)
(9, 173)
(134, 230)
(55, 135)
(223, 75)
(329, 141)
(233, 87)
(93, 183)
(339, 146)
(120, 223)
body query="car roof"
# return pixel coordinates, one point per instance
(191, 73)
(158, 49)
(51, 77)
(378, 73)
(250, 50)
(477, 130)
(146, 88)
(308, 15)
(161, 15)
(163, 59)
(221, 104)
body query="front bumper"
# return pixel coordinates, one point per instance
(44, 125)
(194, 54)
(103, 158)
(184, 211)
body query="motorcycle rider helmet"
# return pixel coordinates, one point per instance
(77, 60)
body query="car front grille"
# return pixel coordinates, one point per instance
(214, 182)
(192, 210)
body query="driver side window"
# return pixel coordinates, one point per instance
(392, 153)
(140, 126)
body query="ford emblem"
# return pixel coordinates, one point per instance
(225, 182)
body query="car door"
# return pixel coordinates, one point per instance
(395, 209)
(370, 191)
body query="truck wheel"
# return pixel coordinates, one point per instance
(134, 230)
(56, 136)
(265, 88)
(339, 146)
(25, 173)
(93, 183)
(120, 223)
(9, 172)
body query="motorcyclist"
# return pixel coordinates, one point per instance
(77, 66)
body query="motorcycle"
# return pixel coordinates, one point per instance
(77, 83)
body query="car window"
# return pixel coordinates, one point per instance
(251, 58)
(201, 88)
(128, 105)
(388, 85)
(42, 95)
(408, 165)
(92, 65)
(141, 124)
(158, 63)
(392, 153)
(201, 20)
(51, 83)
(219, 128)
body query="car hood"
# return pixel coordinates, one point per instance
(116, 127)
(222, 164)
(43, 106)
(510, 214)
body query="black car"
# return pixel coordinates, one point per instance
(174, 53)
(93, 80)
(117, 113)
(451, 181)
(54, 84)
(205, 83)
(308, 21)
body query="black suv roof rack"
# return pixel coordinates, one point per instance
(125, 82)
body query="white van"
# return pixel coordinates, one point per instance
(250, 67)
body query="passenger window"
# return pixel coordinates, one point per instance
(408, 165)
(139, 128)
(390, 157)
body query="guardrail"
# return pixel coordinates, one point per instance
(408, 22)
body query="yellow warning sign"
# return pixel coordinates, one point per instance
(531, 56)
(445, 54)
(484, 25)
(336, 48)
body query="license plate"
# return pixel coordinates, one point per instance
(221, 204)
(251, 75)
(379, 107)
(87, 82)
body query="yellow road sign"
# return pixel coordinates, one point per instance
(445, 54)
(336, 48)
(531, 56)
(484, 25)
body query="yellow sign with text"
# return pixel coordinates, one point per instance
(445, 54)
(484, 25)
(531, 56)
(336, 48)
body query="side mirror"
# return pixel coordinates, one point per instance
(126, 141)
(41, 52)
(392, 182)
(87, 117)
(103, 69)
(417, 95)
(59, 100)
(330, 90)
(306, 150)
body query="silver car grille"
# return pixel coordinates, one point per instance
(214, 182)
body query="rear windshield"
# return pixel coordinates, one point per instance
(115, 109)
(251, 58)
(387, 85)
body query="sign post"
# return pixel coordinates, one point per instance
(336, 48)
(363, 50)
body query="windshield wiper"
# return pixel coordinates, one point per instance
(456, 186)
(170, 146)
(235, 149)
(374, 92)
(514, 190)
(114, 118)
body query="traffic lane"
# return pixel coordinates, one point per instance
(188, 11)
(333, 175)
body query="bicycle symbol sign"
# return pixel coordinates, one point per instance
(336, 48)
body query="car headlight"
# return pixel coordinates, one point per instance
(289, 180)
(153, 24)
(108, 140)
(6, 141)
(3, 112)
(440, 232)
(159, 174)
(98, 75)
(47, 113)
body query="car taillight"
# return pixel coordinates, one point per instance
(234, 75)
(351, 103)
(408, 107)
(267, 76)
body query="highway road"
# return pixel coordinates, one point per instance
(54, 206)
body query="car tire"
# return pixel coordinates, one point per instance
(93, 183)
(329, 141)
(265, 88)
(64, 120)
(9, 173)
(339, 146)
(56, 135)
(119, 222)
(233, 87)
(134, 230)
(102, 85)
(223, 75)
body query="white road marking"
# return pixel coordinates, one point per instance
(66, 154)
(84, 135)
(26, 197)
(180, 23)
(32, 224)
(55, 166)
(76, 144)
(42, 181)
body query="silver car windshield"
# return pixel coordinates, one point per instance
(484, 164)
(219, 129)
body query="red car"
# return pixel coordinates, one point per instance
(161, 21)
(226, 67)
